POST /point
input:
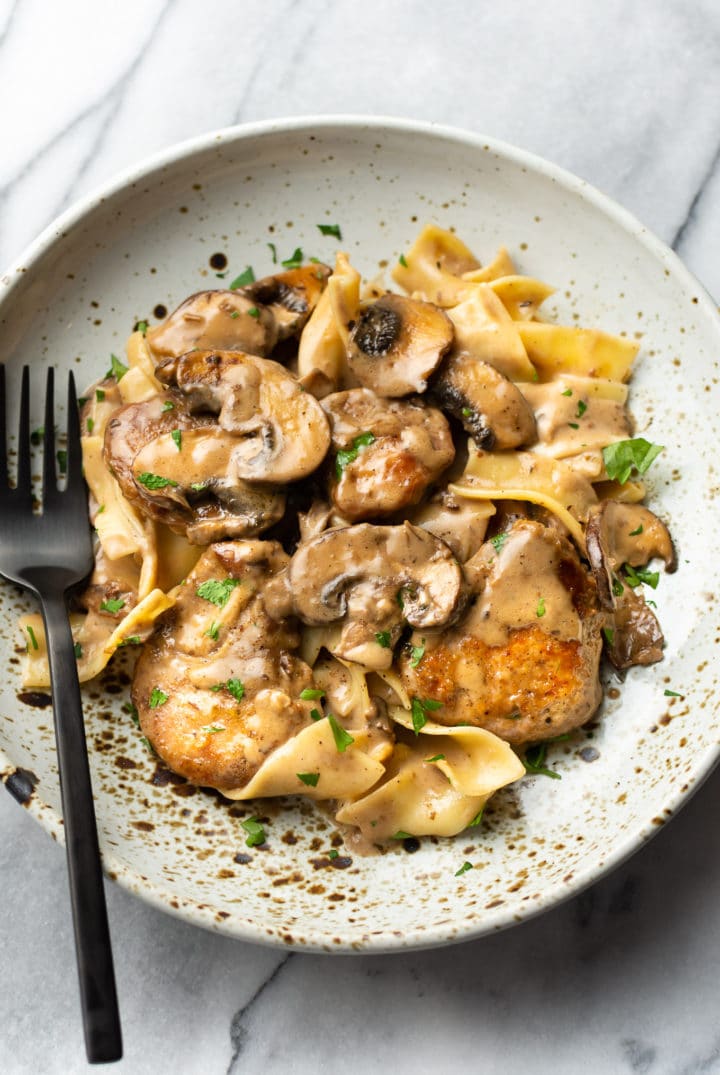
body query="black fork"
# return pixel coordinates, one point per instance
(49, 555)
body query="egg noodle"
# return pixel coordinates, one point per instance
(445, 465)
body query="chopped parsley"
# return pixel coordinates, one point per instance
(155, 481)
(315, 714)
(617, 586)
(573, 425)
(540, 610)
(416, 654)
(176, 435)
(636, 577)
(477, 819)
(157, 698)
(609, 635)
(147, 744)
(142, 326)
(90, 424)
(101, 509)
(310, 694)
(33, 639)
(62, 461)
(255, 832)
(77, 650)
(499, 540)
(311, 779)
(342, 738)
(99, 395)
(567, 392)
(626, 456)
(217, 591)
(436, 757)
(333, 854)
(131, 640)
(330, 229)
(37, 435)
(464, 869)
(672, 694)
(117, 368)
(401, 835)
(582, 407)
(235, 314)
(348, 455)
(236, 688)
(213, 631)
(212, 729)
(245, 278)
(418, 708)
(273, 251)
(128, 707)
(112, 604)
(168, 406)
(467, 412)
(197, 487)
(253, 312)
(295, 261)
(638, 530)
(403, 261)
(383, 639)
(534, 762)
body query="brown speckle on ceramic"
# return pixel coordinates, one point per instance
(184, 849)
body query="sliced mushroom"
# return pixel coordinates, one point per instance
(281, 432)
(618, 534)
(491, 408)
(387, 452)
(227, 320)
(370, 580)
(290, 296)
(523, 662)
(218, 684)
(178, 469)
(461, 524)
(397, 343)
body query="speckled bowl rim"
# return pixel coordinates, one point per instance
(57, 231)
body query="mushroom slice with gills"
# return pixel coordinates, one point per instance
(226, 320)
(461, 524)
(523, 662)
(628, 534)
(371, 580)
(491, 408)
(281, 432)
(387, 452)
(397, 343)
(290, 297)
(177, 468)
(218, 684)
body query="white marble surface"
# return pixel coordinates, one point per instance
(622, 979)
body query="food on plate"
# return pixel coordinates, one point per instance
(369, 546)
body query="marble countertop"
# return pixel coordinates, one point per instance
(621, 979)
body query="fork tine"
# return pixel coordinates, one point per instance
(3, 444)
(74, 446)
(23, 449)
(49, 477)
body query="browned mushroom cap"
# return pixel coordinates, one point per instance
(620, 534)
(218, 686)
(281, 432)
(630, 534)
(227, 320)
(178, 469)
(491, 408)
(397, 343)
(290, 296)
(387, 452)
(371, 579)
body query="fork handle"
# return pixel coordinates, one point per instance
(98, 997)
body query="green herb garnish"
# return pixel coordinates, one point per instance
(464, 869)
(245, 278)
(499, 540)
(672, 694)
(418, 708)
(155, 481)
(128, 707)
(383, 639)
(167, 406)
(213, 631)
(540, 610)
(348, 455)
(567, 392)
(33, 639)
(333, 854)
(626, 456)
(311, 779)
(197, 487)
(637, 576)
(37, 435)
(295, 261)
(342, 738)
(403, 261)
(90, 425)
(113, 604)
(77, 650)
(534, 762)
(401, 835)
(176, 435)
(315, 714)
(477, 819)
(234, 314)
(131, 640)
(253, 312)
(273, 251)
(467, 412)
(581, 408)
(217, 591)
(436, 757)
(416, 654)
(157, 698)
(255, 832)
(310, 694)
(62, 461)
(142, 326)
(99, 395)
(236, 688)
(212, 729)
(608, 635)
(638, 530)
(117, 368)
(330, 229)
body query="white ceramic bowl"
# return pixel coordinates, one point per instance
(146, 240)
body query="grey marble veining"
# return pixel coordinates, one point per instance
(622, 979)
